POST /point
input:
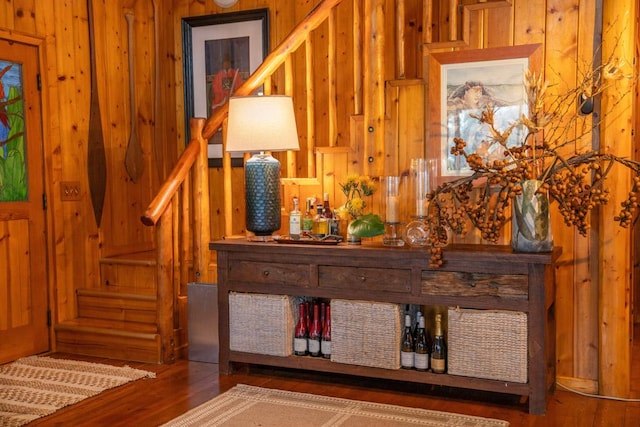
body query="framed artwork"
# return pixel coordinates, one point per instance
(219, 52)
(461, 83)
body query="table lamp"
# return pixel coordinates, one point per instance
(258, 124)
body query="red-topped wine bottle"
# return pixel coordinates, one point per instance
(300, 334)
(314, 332)
(325, 343)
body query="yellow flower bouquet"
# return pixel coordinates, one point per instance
(356, 188)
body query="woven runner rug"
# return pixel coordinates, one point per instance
(34, 387)
(245, 406)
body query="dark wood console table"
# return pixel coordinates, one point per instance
(516, 281)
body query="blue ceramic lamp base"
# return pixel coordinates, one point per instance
(262, 192)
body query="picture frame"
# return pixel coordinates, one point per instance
(461, 83)
(219, 52)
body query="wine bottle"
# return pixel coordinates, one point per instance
(325, 344)
(314, 332)
(407, 351)
(439, 349)
(307, 319)
(300, 337)
(422, 351)
(415, 329)
(295, 219)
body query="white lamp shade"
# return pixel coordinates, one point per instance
(261, 123)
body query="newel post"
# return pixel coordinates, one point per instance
(202, 226)
(166, 297)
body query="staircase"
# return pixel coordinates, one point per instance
(119, 319)
(138, 312)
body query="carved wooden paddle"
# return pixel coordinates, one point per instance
(133, 161)
(96, 158)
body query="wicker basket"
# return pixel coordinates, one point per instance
(261, 323)
(365, 333)
(488, 344)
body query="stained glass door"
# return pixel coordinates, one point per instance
(23, 274)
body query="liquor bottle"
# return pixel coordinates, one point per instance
(334, 224)
(314, 332)
(295, 218)
(422, 350)
(307, 219)
(325, 344)
(327, 212)
(320, 223)
(407, 351)
(300, 336)
(438, 349)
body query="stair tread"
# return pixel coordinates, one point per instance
(136, 258)
(122, 293)
(113, 325)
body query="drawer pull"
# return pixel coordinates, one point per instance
(363, 278)
(265, 273)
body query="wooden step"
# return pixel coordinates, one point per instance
(110, 339)
(120, 306)
(132, 273)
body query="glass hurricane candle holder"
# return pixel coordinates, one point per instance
(392, 208)
(422, 174)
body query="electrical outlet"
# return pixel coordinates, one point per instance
(70, 191)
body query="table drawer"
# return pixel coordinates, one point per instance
(447, 283)
(268, 273)
(365, 278)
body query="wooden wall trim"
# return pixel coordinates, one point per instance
(614, 376)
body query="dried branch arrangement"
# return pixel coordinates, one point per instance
(576, 181)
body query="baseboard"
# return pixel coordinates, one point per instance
(582, 385)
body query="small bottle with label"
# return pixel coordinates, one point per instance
(320, 223)
(307, 219)
(295, 219)
(326, 209)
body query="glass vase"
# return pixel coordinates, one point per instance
(353, 239)
(531, 222)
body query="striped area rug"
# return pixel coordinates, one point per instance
(34, 387)
(247, 406)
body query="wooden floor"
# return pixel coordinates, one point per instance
(184, 385)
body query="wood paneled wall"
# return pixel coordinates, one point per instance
(563, 27)
(76, 242)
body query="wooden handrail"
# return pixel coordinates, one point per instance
(171, 185)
